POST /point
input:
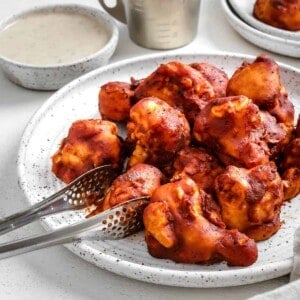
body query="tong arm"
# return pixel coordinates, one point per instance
(115, 223)
(92, 185)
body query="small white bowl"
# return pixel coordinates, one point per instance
(52, 77)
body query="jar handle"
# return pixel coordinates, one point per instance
(117, 11)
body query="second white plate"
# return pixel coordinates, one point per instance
(244, 9)
(266, 41)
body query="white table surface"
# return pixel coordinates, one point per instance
(56, 273)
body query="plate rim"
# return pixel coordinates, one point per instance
(123, 266)
(283, 267)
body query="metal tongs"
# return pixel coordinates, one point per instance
(116, 223)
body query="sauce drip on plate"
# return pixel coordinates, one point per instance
(51, 38)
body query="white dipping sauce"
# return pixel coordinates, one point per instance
(51, 38)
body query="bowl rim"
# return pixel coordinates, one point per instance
(95, 13)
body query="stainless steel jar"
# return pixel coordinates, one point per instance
(158, 24)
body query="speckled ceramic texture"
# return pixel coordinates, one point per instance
(55, 76)
(266, 41)
(129, 257)
(244, 9)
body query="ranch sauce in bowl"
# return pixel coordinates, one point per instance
(52, 38)
(46, 47)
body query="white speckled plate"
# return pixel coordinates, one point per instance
(129, 257)
(264, 40)
(244, 9)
